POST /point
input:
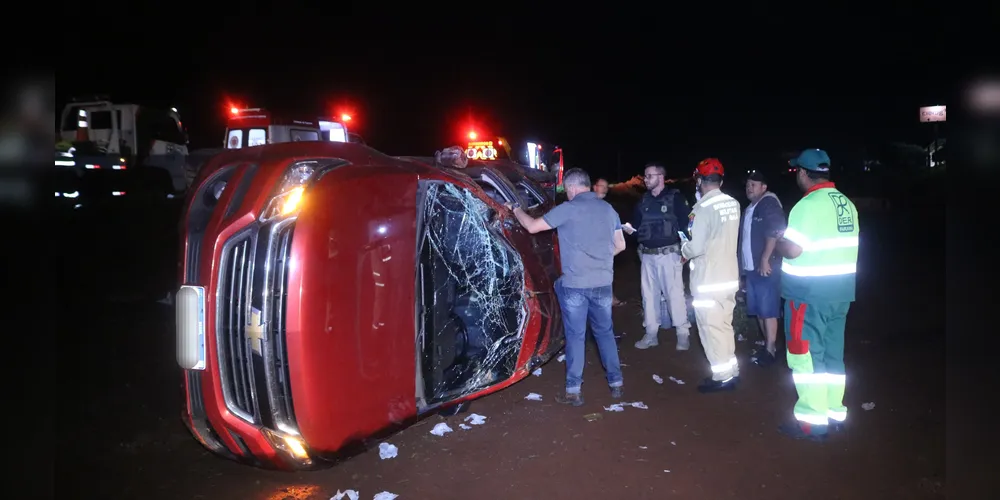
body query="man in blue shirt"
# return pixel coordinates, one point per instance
(660, 214)
(590, 235)
(760, 266)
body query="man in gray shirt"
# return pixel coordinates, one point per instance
(590, 235)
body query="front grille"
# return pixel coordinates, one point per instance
(278, 299)
(235, 365)
(194, 394)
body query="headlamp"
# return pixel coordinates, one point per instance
(287, 199)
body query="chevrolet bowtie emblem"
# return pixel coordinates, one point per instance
(255, 331)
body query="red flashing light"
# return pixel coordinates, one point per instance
(472, 135)
(499, 143)
(234, 110)
(345, 117)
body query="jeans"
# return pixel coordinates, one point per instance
(579, 304)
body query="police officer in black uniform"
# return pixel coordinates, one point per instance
(661, 213)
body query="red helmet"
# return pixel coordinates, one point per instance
(709, 166)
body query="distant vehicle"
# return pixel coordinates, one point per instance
(131, 148)
(331, 292)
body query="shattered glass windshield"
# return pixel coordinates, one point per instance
(473, 307)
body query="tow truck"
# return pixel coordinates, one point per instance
(111, 149)
(249, 127)
(537, 157)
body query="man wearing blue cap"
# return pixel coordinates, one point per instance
(820, 254)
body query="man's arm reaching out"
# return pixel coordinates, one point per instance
(533, 225)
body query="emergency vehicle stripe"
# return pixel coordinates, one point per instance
(811, 419)
(815, 271)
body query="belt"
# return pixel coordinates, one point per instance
(675, 248)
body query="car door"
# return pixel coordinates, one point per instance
(539, 255)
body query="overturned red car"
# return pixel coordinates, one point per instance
(332, 293)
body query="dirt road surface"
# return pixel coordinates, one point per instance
(125, 438)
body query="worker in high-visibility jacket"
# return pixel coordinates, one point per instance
(715, 275)
(820, 255)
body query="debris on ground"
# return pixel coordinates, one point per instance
(464, 427)
(476, 419)
(677, 380)
(759, 342)
(868, 406)
(592, 416)
(657, 378)
(440, 429)
(385, 495)
(666, 470)
(643, 447)
(561, 358)
(386, 451)
(533, 397)
(621, 406)
(350, 494)
(537, 372)
(741, 338)
(673, 443)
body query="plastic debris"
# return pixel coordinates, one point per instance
(677, 380)
(350, 494)
(658, 379)
(666, 470)
(868, 406)
(386, 450)
(537, 372)
(621, 406)
(673, 443)
(476, 419)
(592, 416)
(533, 397)
(643, 447)
(615, 407)
(640, 405)
(464, 427)
(561, 358)
(440, 429)
(385, 495)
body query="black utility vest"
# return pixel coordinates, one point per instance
(659, 224)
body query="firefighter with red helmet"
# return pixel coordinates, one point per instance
(715, 276)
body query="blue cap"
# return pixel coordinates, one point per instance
(812, 159)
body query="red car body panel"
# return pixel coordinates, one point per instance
(350, 318)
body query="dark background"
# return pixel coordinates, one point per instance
(613, 96)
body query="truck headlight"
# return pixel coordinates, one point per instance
(287, 199)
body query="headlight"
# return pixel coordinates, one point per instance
(288, 198)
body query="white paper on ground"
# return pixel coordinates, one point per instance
(440, 429)
(464, 427)
(476, 419)
(868, 406)
(386, 450)
(677, 380)
(385, 495)
(537, 372)
(350, 494)
(561, 358)
(533, 397)
(658, 379)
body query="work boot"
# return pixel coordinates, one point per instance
(708, 385)
(683, 341)
(648, 340)
(566, 398)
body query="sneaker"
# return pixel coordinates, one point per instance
(764, 358)
(683, 342)
(617, 392)
(647, 341)
(574, 399)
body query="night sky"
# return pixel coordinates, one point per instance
(612, 100)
